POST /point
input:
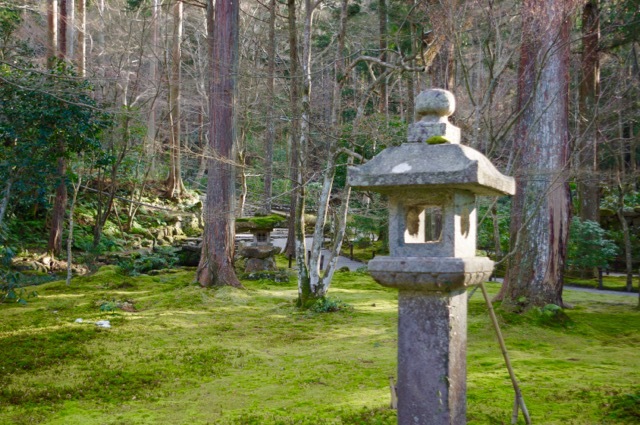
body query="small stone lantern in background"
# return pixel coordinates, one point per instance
(260, 252)
(432, 183)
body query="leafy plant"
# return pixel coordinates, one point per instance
(625, 406)
(11, 287)
(589, 246)
(160, 258)
(330, 305)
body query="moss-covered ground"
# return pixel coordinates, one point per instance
(610, 283)
(180, 354)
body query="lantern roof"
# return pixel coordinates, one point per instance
(432, 158)
(419, 165)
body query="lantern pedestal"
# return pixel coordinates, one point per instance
(432, 358)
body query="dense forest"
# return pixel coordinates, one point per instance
(120, 118)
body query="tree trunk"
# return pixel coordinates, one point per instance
(270, 134)
(5, 200)
(382, 42)
(62, 30)
(318, 284)
(52, 29)
(216, 261)
(411, 86)
(294, 100)
(588, 189)
(70, 29)
(242, 198)
(76, 189)
(496, 232)
(540, 209)
(81, 54)
(153, 79)
(174, 186)
(202, 143)
(304, 285)
(628, 251)
(59, 206)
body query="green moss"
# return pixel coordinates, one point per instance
(260, 222)
(229, 356)
(365, 250)
(610, 283)
(436, 140)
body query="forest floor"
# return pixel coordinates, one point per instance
(176, 353)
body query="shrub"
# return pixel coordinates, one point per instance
(11, 286)
(160, 258)
(329, 305)
(589, 246)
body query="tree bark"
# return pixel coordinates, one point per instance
(316, 284)
(81, 54)
(62, 30)
(76, 189)
(52, 29)
(216, 261)
(496, 232)
(174, 186)
(540, 209)
(294, 101)
(304, 287)
(270, 133)
(153, 78)
(382, 42)
(5, 200)
(59, 206)
(588, 180)
(70, 29)
(628, 250)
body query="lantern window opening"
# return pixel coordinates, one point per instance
(423, 224)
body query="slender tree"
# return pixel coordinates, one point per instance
(294, 132)
(588, 181)
(216, 261)
(174, 185)
(54, 245)
(270, 134)
(382, 42)
(312, 283)
(52, 29)
(81, 53)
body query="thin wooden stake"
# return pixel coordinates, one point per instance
(394, 398)
(519, 400)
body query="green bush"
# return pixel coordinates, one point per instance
(329, 305)
(589, 246)
(11, 285)
(160, 258)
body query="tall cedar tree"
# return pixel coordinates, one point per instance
(541, 206)
(216, 264)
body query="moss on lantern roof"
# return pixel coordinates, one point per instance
(267, 222)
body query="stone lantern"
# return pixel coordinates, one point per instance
(260, 252)
(432, 183)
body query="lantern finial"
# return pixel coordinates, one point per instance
(433, 107)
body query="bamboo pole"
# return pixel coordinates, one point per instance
(519, 400)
